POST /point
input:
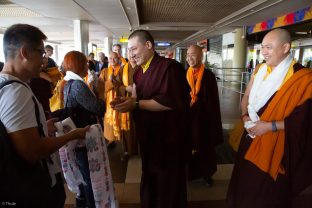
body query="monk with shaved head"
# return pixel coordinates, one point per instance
(273, 166)
(205, 117)
(108, 88)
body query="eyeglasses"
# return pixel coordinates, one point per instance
(42, 52)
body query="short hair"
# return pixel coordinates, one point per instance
(143, 35)
(19, 35)
(91, 54)
(74, 61)
(101, 54)
(48, 47)
(117, 44)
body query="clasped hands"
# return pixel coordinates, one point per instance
(257, 128)
(123, 104)
(115, 80)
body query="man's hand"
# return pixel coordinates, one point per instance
(129, 88)
(123, 104)
(79, 133)
(115, 80)
(246, 118)
(260, 128)
(51, 127)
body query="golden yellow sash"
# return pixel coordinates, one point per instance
(125, 75)
(125, 117)
(194, 81)
(123, 60)
(112, 117)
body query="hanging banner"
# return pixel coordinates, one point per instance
(288, 19)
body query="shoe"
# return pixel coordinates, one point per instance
(209, 181)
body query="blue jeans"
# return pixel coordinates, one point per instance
(82, 161)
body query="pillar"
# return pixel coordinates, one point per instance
(239, 58)
(81, 35)
(108, 44)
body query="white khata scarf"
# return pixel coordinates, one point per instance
(100, 173)
(72, 75)
(262, 90)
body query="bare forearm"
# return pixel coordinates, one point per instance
(263, 127)
(50, 145)
(280, 125)
(244, 105)
(152, 105)
(31, 147)
(130, 103)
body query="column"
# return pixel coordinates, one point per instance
(81, 35)
(108, 44)
(239, 59)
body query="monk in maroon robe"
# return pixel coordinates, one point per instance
(161, 108)
(205, 117)
(274, 169)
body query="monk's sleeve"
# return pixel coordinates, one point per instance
(173, 91)
(298, 147)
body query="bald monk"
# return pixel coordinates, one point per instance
(205, 117)
(273, 166)
(117, 49)
(108, 86)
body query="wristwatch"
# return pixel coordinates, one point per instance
(137, 106)
(274, 127)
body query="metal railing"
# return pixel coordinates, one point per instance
(234, 79)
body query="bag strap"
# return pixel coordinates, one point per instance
(40, 126)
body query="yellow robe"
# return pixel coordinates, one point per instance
(107, 91)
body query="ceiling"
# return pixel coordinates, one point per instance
(180, 22)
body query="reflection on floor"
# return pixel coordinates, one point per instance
(126, 175)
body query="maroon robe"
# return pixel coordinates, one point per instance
(163, 134)
(251, 187)
(206, 129)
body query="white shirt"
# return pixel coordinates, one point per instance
(17, 107)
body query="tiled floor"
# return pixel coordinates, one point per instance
(126, 176)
